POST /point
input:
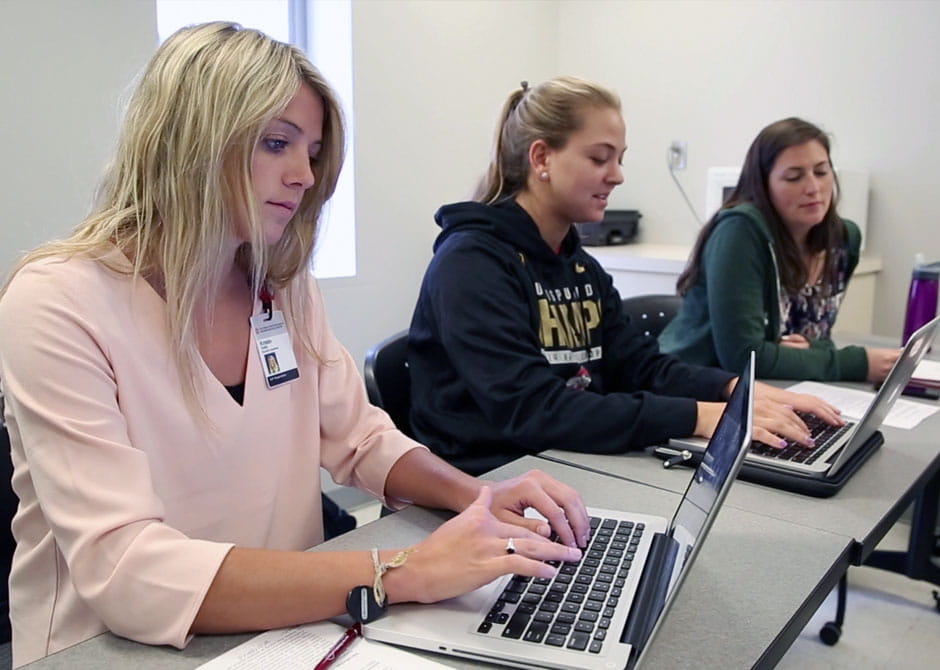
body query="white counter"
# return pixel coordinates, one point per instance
(638, 269)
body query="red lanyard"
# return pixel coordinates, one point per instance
(266, 295)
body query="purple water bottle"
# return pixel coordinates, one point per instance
(922, 299)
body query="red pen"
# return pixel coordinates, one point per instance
(351, 634)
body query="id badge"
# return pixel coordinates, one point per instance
(274, 347)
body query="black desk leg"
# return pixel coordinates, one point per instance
(832, 630)
(916, 561)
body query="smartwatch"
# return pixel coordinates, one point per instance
(362, 605)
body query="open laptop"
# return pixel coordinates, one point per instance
(838, 451)
(598, 613)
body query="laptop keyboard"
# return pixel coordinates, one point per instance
(823, 435)
(574, 609)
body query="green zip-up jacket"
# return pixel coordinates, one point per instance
(734, 307)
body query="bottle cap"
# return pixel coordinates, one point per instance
(928, 271)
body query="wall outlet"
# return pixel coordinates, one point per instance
(678, 153)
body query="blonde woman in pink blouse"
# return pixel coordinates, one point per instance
(168, 476)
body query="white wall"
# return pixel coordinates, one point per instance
(429, 80)
(66, 66)
(714, 73)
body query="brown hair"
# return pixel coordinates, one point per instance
(753, 188)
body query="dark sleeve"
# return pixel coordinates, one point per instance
(484, 324)
(633, 361)
(740, 273)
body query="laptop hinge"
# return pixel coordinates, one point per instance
(651, 594)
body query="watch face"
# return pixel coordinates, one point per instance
(361, 605)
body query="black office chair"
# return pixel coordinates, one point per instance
(387, 380)
(388, 383)
(8, 505)
(652, 312)
(336, 520)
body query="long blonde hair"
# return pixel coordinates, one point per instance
(182, 169)
(550, 112)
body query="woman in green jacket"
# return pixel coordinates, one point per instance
(769, 270)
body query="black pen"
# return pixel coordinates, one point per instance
(681, 457)
(342, 645)
(673, 456)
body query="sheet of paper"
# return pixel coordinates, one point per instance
(853, 403)
(301, 648)
(927, 370)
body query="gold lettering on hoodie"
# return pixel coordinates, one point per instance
(568, 324)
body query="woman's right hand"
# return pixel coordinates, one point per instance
(772, 422)
(469, 551)
(774, 415)
(880, 362)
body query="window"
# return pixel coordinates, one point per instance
(323, 29)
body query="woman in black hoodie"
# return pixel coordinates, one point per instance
(518, 343)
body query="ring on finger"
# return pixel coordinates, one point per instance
(510, 546)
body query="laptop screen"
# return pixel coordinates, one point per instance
(719, 463)
(893, 385)
(706, 491)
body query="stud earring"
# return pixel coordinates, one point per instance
(543, 176)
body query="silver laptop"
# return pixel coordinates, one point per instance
(835, 446)
(600, 612)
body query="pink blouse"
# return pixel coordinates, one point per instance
(128, 502)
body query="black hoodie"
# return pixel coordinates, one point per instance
(506, 331)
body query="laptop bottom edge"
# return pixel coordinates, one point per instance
(818, 487)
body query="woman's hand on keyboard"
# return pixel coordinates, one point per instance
(560, 504)
(470, 550)
(775, 417)
(803, 402)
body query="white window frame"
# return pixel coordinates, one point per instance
(323, 29)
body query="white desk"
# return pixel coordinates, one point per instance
(638, 269)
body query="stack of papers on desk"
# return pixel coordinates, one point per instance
(927, 375)
(853, 403)
(302, 648)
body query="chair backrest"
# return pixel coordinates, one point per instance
(652, 312)
(8, 505)
(387, 380)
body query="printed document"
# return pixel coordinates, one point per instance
(302, 647)
(853, 403)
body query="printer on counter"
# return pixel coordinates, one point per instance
(620, 226)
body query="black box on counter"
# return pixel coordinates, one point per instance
(620, 226)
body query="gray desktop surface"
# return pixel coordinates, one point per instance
(864, 510)
(732, 586)
(760, 577)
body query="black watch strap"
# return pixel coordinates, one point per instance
(361, 604)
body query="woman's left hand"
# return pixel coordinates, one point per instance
(774, 415)
(470, 550)
(560, 504)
